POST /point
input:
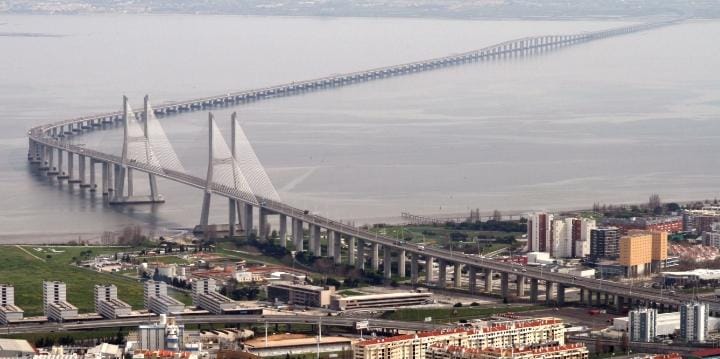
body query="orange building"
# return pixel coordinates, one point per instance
(642, 252)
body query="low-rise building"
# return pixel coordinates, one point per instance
(300, 294)
(380, 300)
(16, 348)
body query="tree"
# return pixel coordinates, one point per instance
(497, 215)
(625, 342)
(457, 305)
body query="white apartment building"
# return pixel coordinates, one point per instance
(642, 325)
(561, 237)
(55, 302)
(158, 301)
(9, 312)
(694, 322)
(107, 303)
(545, 331)
(205, 296)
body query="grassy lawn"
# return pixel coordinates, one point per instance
(26, 268)
(445, 315)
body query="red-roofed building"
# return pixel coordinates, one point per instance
(569, 351)
(548, 331)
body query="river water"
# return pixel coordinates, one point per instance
(611, 121)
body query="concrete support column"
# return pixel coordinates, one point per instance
(488, 280)
(429, 270)
(360, 254)
(457, 274)
(472, 280)
(130, 182)
(548, 292)
(402, 259)
(619, 303)
(337, 247)
(582, 299)
(442, 273)
(105, 173)
(282, 230)
(598, 299)
(375, 257)
(533, 290)
(71, 167)
(93, 185)
(414, 268)
(263, 232)
(560, 294)
(232, 206)
(81, 171)
(387, 262)
(520, 285)
(504, 285)
(351, 251)
(247, 218)
(330, 244)
(317, 244)
(297, 228)
(60, 165)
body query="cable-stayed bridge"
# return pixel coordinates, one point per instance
(234, 172)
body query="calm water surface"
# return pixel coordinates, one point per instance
(612, 121)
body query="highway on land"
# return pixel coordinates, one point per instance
(218, 319)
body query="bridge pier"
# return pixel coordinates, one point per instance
(247, 218)
(263, 225)
(315, 242)
(442, 273)
(387, 262)
(472, 280)
(351, 251)
(560, 294)
(297, 228)
(504, 285)
(282, 230)
(402, 259)
(337, 247)
(414, 258)
(82, 178)
(533, 290)
(429, 270)
(232, 207)
(457, 275)
(548, 292)
(520, 286)
(61, 168)
(488, 280)
(375, 257)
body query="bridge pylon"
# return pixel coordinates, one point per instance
(224, 173)
(136, 150)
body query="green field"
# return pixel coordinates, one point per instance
(26, 268)
(444, 315)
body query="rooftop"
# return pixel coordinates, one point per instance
(16, 345)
